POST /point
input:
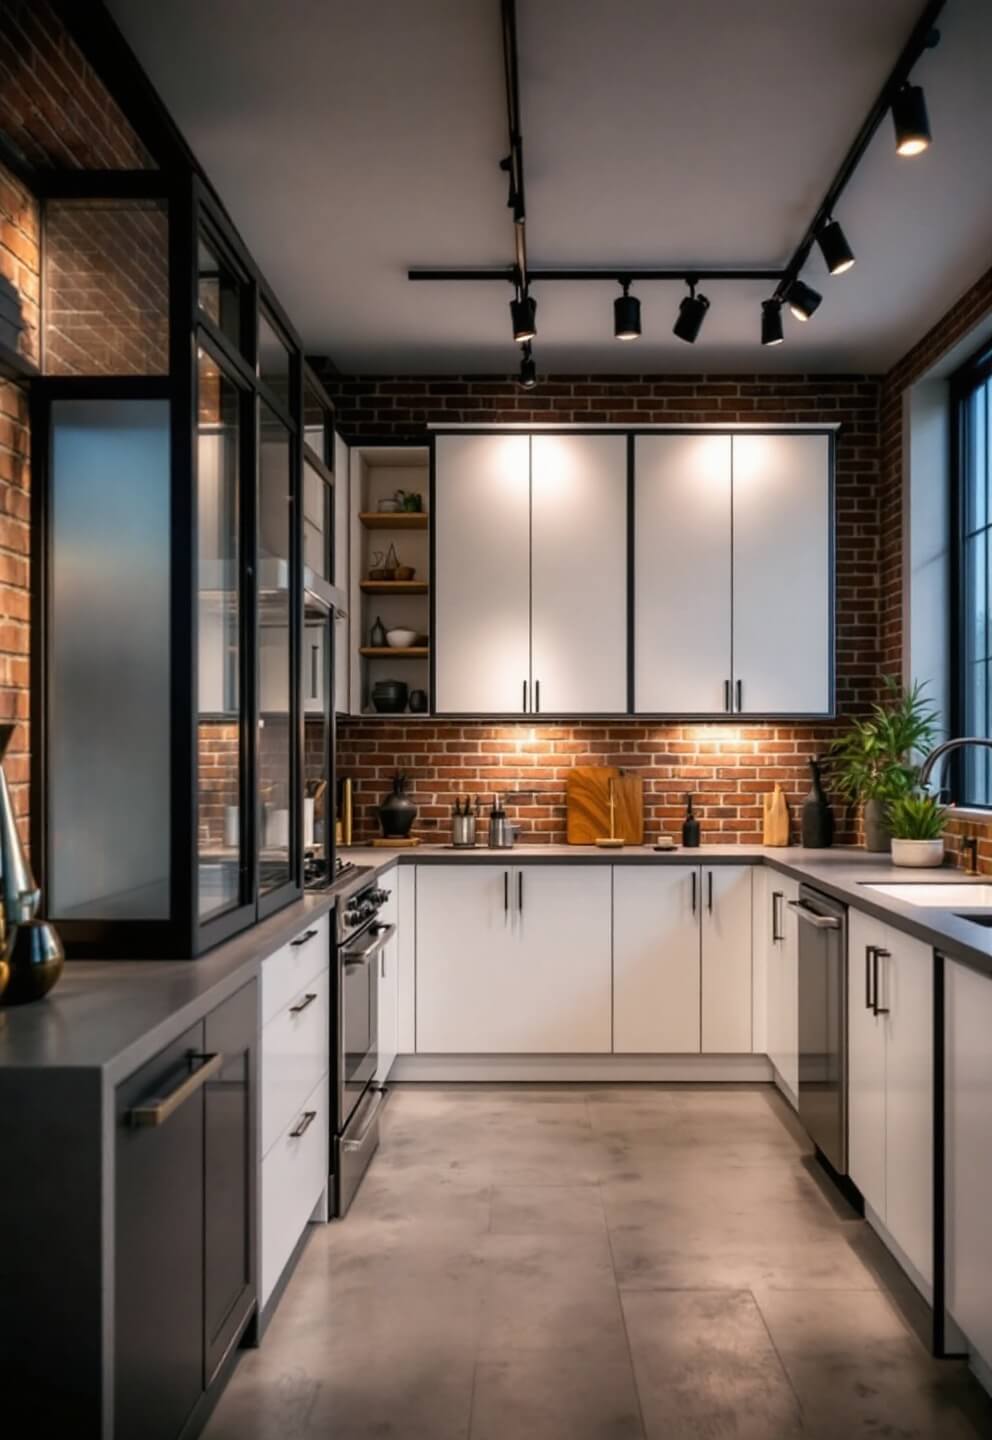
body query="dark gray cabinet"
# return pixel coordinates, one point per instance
(158, 1291)
(229, 1177)
(184, 1216)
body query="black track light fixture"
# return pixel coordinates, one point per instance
(528, 369)
(837, 254)
(626, 314)
(523, 312)
(692, 313)
(802, 299)
(771, 322)
(910, 120)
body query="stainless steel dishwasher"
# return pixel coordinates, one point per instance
(823, 1023)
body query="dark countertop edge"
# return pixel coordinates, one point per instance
(944, 930)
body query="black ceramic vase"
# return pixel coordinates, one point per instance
(818, 818)
(397, 812)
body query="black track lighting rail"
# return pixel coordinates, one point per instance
(922, 38)
(614, 277)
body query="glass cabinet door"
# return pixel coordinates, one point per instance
(220, 758)
(276, 801)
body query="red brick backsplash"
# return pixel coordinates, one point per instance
(726, 767)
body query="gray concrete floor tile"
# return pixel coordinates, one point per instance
(595, 1263)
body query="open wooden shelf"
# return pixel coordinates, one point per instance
(398, 520)
(389, 652)
(395, 587)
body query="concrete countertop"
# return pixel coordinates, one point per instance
(842, 872)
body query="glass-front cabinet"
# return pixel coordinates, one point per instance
(167, 804)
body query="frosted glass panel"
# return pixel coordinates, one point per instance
(109, 666)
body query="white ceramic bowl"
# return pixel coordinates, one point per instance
(400, 639)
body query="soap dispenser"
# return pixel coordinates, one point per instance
(690, 827)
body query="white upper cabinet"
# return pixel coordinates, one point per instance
(682, 565)
(482, 574)
(782, 551)
(579, 574)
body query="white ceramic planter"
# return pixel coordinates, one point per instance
(918, 853)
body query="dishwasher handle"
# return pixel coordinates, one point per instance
(819, 922)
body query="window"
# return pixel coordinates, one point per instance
(973, 397)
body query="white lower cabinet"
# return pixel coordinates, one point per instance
(513, 959)
(890, 1074)
(725, 912)
(781, 933)
(294, 1096)
(294, 1175)
(656, 960)
(389, 981)
(968, 1159)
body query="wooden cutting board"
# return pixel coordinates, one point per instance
(587, 800)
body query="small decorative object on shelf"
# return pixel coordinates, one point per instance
(377, 635)
(690, 826)
(818, 818)
(413, 502)
(399, 638)
(377, 570)
(31, 954)
(418, 702)
(389, 507)
(397, 812)
(389, 696)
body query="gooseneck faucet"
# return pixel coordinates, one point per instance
(938, 753)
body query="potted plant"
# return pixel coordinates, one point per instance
(916, 820)
(874, 763)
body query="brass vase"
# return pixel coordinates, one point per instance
(31, 954)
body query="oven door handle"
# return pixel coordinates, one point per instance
(819, 922)
(353, 958)
(356, 1142)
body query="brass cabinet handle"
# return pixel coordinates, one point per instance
(303, 1125)
(308, 999)
(157, 1110)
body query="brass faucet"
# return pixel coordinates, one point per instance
(969, 854)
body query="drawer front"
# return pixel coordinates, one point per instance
(295, 1053)
(286, 972)
(294, 1174)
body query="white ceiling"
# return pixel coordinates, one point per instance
(351, 140)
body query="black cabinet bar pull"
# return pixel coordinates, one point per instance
(726, 696)
(709, 891)
(869, 1003)
(878, 954)
(304, 1004)
(524, 705)
(314, 672)
(302, 939)
(777, 895)
(506, 890)
(303, 1125)
(693, 892)
(740, 695)
(520, 891)
(537, 697)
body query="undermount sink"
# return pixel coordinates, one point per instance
(944, 896)
(985, 920)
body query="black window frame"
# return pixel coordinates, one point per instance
(973, 375)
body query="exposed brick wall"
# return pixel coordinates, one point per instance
(19, 278)
(106, 288)
(15, 541)
(727, 766)
(54, 110)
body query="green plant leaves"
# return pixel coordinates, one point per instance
(878, 758)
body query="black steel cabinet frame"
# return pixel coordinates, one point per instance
(191, 211)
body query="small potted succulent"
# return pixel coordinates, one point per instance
(875, 762)
(916, 821)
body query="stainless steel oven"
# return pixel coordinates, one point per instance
(823, 1023)
(357, 1100)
